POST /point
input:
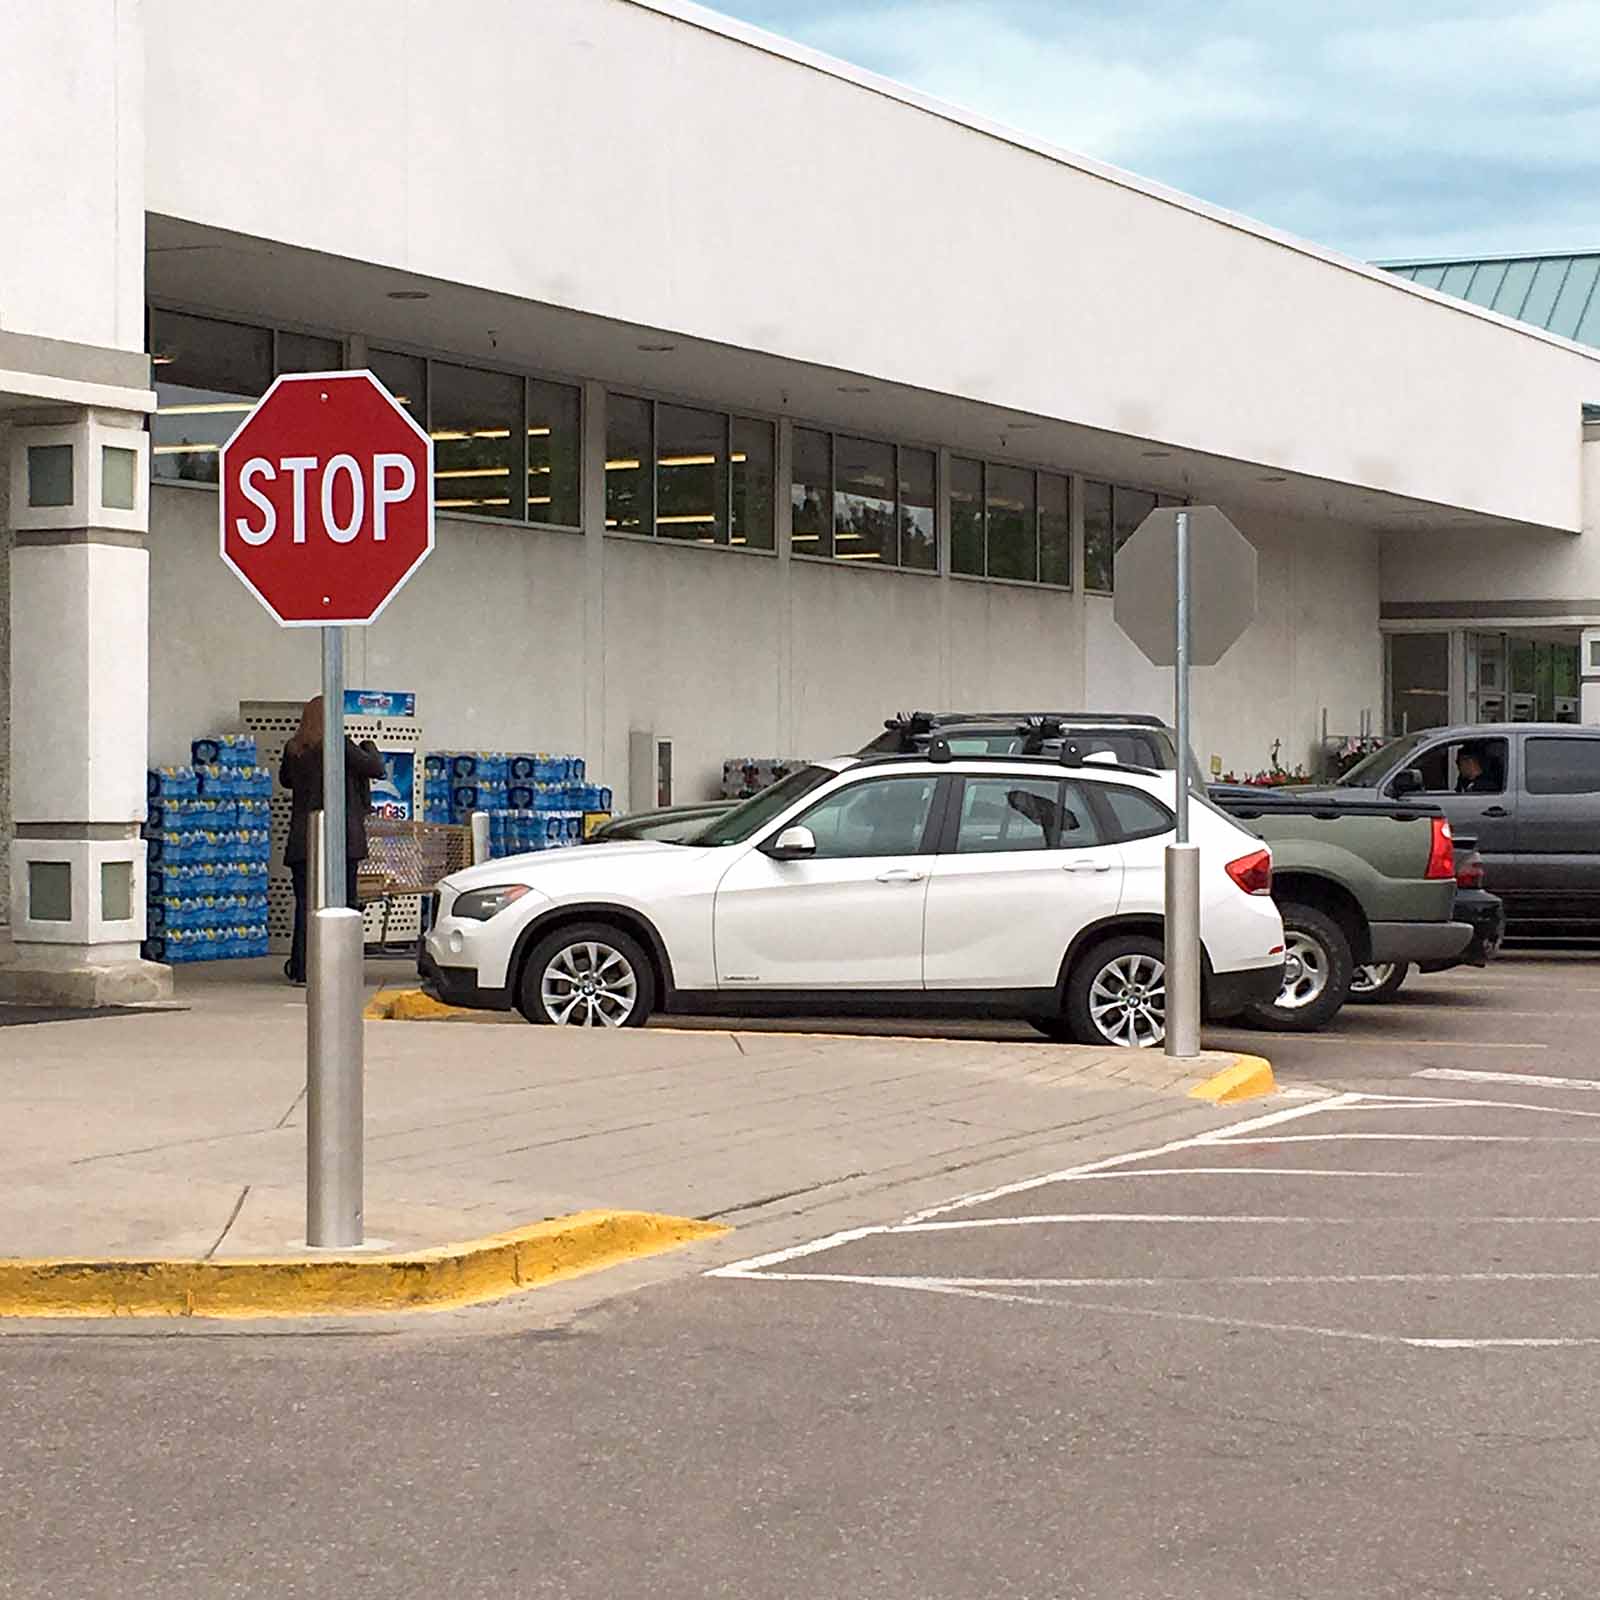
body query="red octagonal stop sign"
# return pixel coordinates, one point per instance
(327, 499)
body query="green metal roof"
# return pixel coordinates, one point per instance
(1560, 294)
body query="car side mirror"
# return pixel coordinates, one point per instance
(1406, 781)
(793, 844)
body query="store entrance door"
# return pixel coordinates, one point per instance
(1419, 681)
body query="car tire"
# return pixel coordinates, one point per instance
(588, 975)
(1317, 980)
(1378, 982)
(1103, 982)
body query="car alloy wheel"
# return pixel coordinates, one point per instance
(1378, 981)
(589, 984)
(1128, 1000)
(1305, 972)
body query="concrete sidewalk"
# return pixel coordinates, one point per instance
(181, 1133)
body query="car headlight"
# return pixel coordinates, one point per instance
(481, 904)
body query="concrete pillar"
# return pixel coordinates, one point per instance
(79, 512)
(1589, 676)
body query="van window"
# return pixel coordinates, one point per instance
(1563, 766)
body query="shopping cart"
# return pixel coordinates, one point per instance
(409, 858)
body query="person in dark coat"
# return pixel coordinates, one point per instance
(300, 772)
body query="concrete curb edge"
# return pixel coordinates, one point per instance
(1247, 1079)
(352, 1284)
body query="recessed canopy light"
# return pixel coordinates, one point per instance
(408, 294)
(1153, 454)
(657, 349)
(1272, 480)
(855, 388)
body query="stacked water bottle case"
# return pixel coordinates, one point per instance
(534, 801)
(208, 836)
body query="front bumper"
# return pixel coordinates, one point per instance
(1418, 941)
(1228, 993)
(1485, 914)
(458, 986)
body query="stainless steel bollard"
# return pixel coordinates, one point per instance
(335, 1177)
(480, 837)
(1183, 948)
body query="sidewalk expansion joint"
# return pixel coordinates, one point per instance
(437, 1279)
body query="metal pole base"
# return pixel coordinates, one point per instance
(334, 1081)
(1183, 948)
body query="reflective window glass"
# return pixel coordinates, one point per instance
(864, 514)
(476, 421)
(305, 352)
(1097, 548)
(1129, 508)
(1013, 526)
(208, 374)
(752, 472)
(811, 493)
(1464, 766)
(966, 516)
(554, 454)
(691, 474)
(1137, 815)
(1055, 529)
(883, 817)
(405, 377)
(1002, 814)
(1562, 766)
(630, 497)
(919, 540)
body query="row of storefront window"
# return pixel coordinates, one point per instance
(510, 446)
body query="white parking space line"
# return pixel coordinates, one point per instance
(1271, 1218)
(1532, 1079)
(1427, 1138)
(1212, 1136)
(1239, 1172)
(1162, 1314)
(1250, 1280)
(1271, 1128)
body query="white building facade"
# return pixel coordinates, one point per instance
(768, 399)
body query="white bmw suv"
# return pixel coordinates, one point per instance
(925, 885)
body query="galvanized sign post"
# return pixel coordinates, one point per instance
(1156, 607)
(326, 511)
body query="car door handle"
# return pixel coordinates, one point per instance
(900, 875)
(1085, 866)
(1497, 811)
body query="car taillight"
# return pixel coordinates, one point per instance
(1253, 873)
(1469, 875)
(1442, 855)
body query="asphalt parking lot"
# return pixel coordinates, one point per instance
(1345, 1343)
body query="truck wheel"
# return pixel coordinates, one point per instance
(1317, 972)
(1378, 982)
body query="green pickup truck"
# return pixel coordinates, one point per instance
(1358, 881)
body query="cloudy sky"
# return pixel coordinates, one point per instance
(1386, 128)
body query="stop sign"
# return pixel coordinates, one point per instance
(327, 499)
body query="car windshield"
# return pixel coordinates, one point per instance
(1366, 772)
(735, 826)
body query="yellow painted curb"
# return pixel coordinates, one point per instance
(348, 1285)
(1248, 1078)
(412, 1005)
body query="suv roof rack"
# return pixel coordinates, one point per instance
(939, 754)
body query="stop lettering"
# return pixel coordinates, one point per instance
(327, 499)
